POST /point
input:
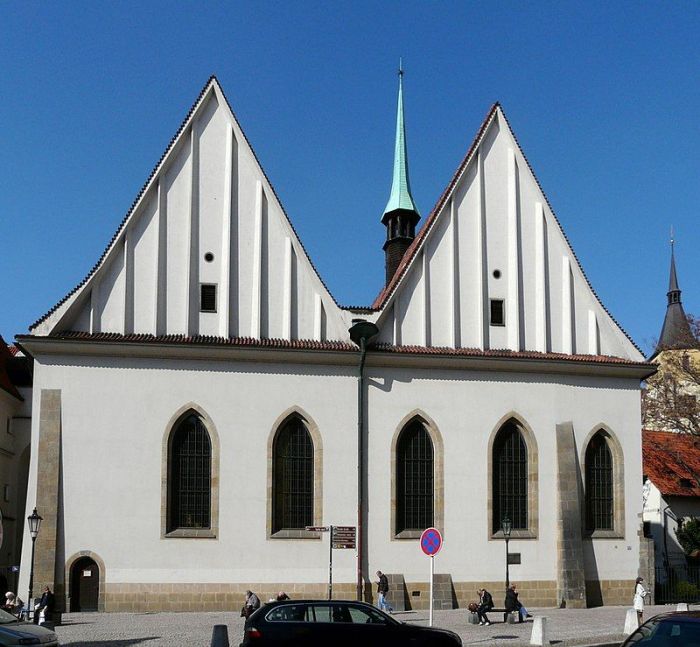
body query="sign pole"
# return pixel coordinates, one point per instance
(432, 567)
(430, 544)
(330, 566)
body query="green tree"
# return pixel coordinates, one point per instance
(688, 533)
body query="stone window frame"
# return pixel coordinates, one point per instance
(618, 459)
(69, 582)
(531, 532)
(438, 475)
(315, 434)
(190, 533)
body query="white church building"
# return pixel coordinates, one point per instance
(201, 399)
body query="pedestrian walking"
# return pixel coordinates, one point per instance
(382, 590)
(485, 605)
(638, 601)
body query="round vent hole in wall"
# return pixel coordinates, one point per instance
(497, 274)
(208, 257)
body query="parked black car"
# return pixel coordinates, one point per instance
(673, 629)
(338, 623)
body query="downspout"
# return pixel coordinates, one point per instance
(360, 462)
(667, 513)
(361, 333)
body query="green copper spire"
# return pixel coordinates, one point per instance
(400, 197)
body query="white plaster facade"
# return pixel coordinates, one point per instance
(129, 347)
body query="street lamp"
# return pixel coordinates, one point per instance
(34, 521)
(506, 527)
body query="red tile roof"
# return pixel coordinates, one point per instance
(309, 344)
(670, 460)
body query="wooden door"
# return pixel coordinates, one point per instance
(85, 591)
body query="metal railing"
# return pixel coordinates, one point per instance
(678, 582)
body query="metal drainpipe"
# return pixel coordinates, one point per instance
(361, 333)
(667, 513)
(360, 463)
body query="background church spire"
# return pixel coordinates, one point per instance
(675, 333)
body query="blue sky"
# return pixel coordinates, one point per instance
(603, 97)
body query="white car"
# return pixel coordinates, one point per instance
(15, 632)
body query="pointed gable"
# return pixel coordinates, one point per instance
(206, 249)
(493, 241)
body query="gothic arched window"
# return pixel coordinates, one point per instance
(599, 485)
(510, 476)
(189, 475)
(414, 478)
(292, 477)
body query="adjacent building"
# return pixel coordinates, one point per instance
(15, 428)
(671, 444)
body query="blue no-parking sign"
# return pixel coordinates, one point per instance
(431, 541)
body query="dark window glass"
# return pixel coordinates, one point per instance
(189, 482)
(414, 479)
(498, 312)
(599, 485)
(208, 298)
(510, 478)
(293, 477)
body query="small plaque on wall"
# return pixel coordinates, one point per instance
(514, 558)
(89, 573)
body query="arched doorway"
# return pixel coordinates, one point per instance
(85, 585)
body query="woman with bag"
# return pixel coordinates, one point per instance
(638, 601)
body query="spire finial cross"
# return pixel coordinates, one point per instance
(672, 239)
(400, 65)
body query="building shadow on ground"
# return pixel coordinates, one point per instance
(109, 643)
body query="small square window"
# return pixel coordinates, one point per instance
(498, 312)
(207, 301)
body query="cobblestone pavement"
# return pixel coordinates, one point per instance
(602, 625)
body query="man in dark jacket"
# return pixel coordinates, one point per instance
(485, 605)
(512, 603)
(46, 604)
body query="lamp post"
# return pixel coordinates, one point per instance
(34, 521)
(361, 332)
(506, 527)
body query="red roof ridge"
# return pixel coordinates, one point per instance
(309, 344)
